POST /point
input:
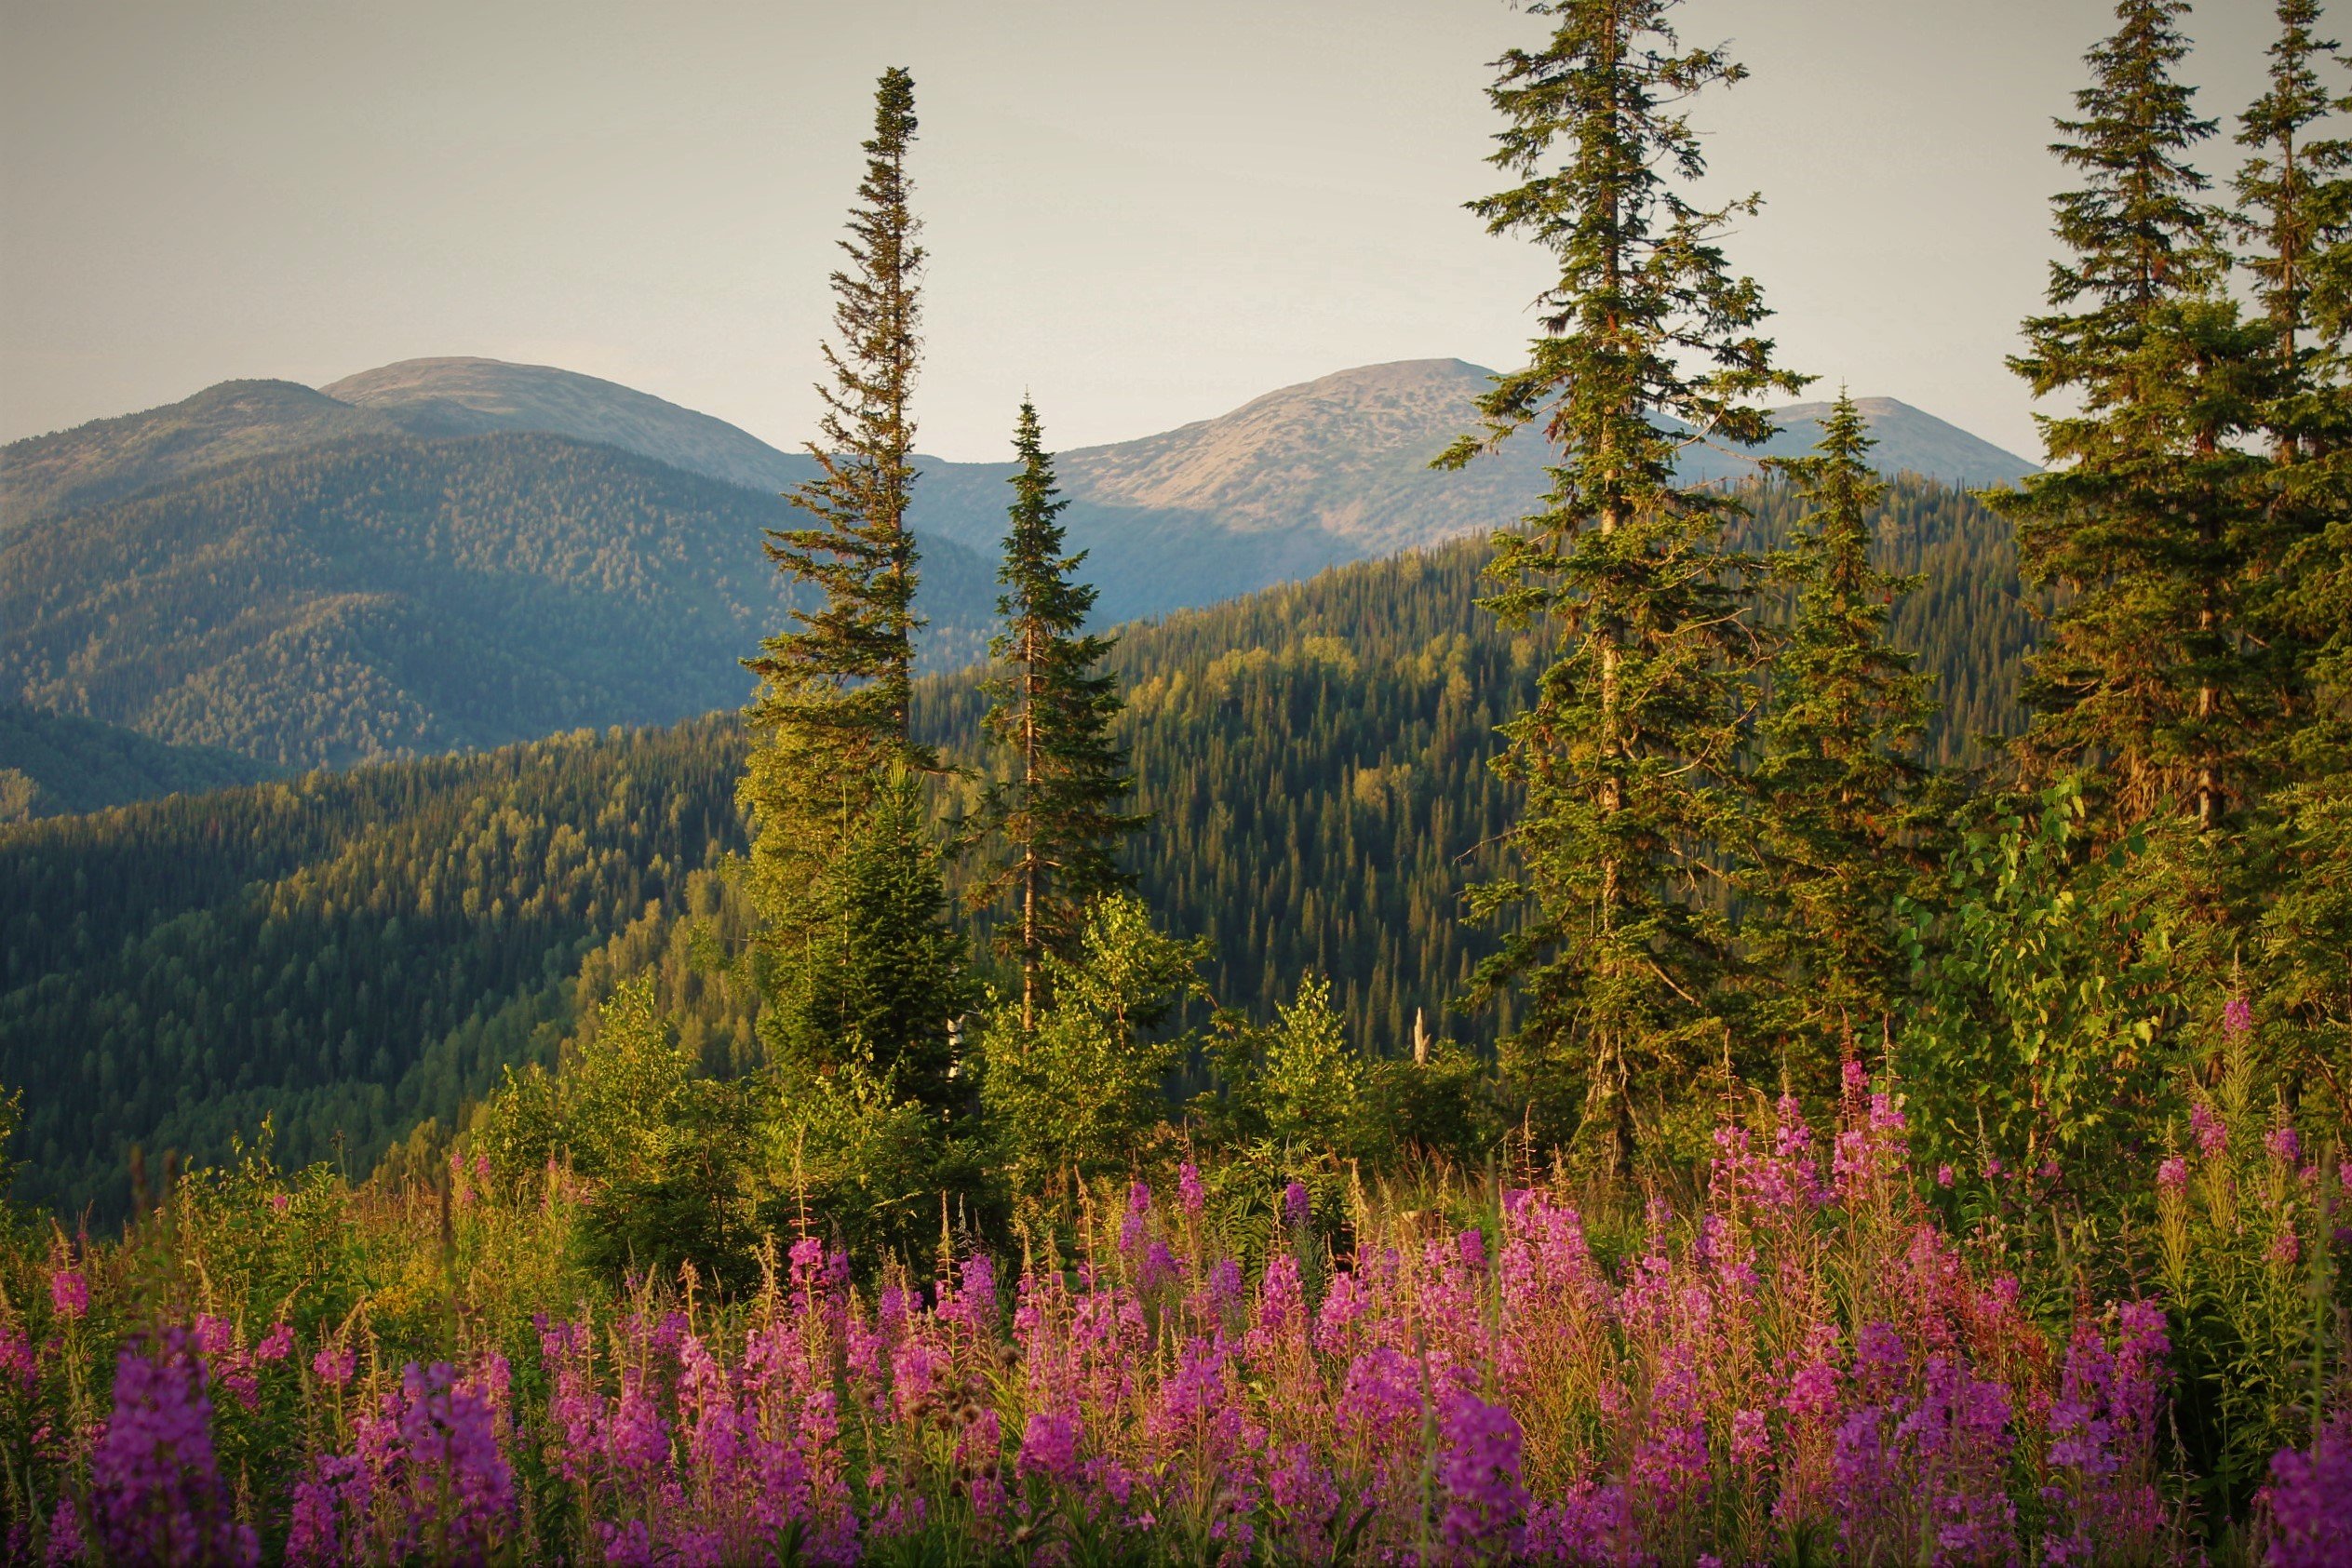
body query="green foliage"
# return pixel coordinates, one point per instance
(2045, 996)
(1628, 751)
(861, 979)
(876, 976)
(1438, 1103)
(2302, 944)
(1309, 1086)
(52, 764)
(2246, 1229)
(1079, 1096)
(1313, 759)
(662, 1149)
(839, 685)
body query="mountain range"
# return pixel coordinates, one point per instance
(458, 553)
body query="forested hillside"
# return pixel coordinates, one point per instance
(53, 765)
(397, 597)
(344, 953)
(363, 950)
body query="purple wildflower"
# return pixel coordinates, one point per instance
(156, 1489)
(1485, 1500)
(1296, 1206)
(2238, 1016)
(2284, 1146)
(276, 1345)
(334, 1364)
(69, 1294)
(1189, 1197)
(1049, 1447)
(2309, 1498)
(2172, 1175)
(2212, 1136)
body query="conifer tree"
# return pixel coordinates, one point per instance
(1627, 755)
(2142, 518)
(1051, 711)
(832, 711)
(1841, 802)
(860, 968)
(2295, 211)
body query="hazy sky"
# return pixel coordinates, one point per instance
(1143, 213)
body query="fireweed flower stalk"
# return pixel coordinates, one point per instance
(155, 1493)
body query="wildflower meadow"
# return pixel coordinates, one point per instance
(1819, 1352)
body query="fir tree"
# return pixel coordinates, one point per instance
(1051, 711)
(831, 710)
(1628, 755)
(1841, 802)
(2142, 520)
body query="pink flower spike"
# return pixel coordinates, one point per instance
(334, 1365)
(278, 1345)
(2238, 1017)
(70, 1294)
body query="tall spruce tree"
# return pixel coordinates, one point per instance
(1052, 712)
(2295, 213)
(2143, 519)
(1628, 754)
(832, 711)
(857, 959)
(1842, 803)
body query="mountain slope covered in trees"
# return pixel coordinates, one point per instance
(391, 597)
(52, 764)
(361, 951)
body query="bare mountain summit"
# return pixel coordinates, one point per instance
(437, 397)
(1349, 453)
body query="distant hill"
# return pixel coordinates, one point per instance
(106, 459)
(389, 596)
(433, 397)
(52, 764)
(1330, 470)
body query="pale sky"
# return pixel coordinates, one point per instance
(1143, 214)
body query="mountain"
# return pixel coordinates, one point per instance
(1336, 470)
(391, 597)
(52, 764)
(354, 952)
(434, 397)
(107, 460)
